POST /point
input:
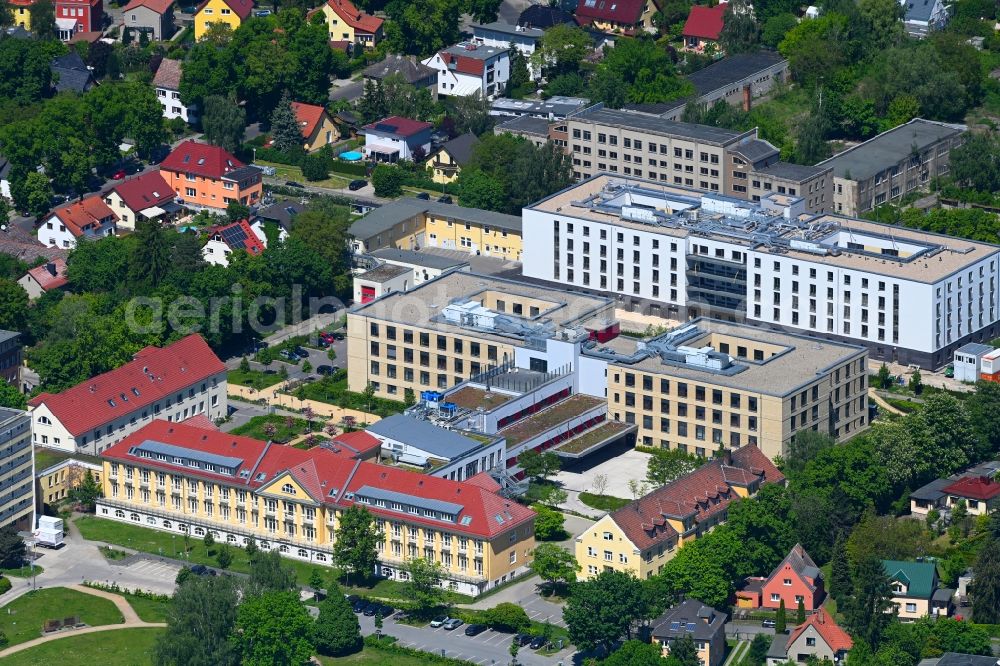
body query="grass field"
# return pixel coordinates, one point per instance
(255, 378)
(603, 502)
(282, 433)
(21, 572)
(123, 647)
(287, 172)
(148, 610)
(23, 618)
(332, 390)
(375, 657)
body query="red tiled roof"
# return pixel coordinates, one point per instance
(484, 480)
(828, 629)
(154, 373)
(404, 127)
(308, 116)
(46, 278)
(463, 64)
(158, 6)
(328, 477)
(79, 215)
(974, 487)
(251, 243)
(201, 159)
(702, 494)
(705, 22)
(354, 17)
(200, 421)
(168, 75)
(359, 441)
(148, 189)
(627, 12)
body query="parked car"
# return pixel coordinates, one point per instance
(522, 639)
(325, 369)
(438, 621)
(768, 624)
(338, 335)
(118, 175)
(949, 371)
(385, 610)
(372, 609)
(423, 195)
(262, 12)
(288, 355)
(202, 570)
(452, 623)
(292, 183)
(358, 605)
(300, 352)
(444, 198)
(475, 629)
(538, 642)
(357, 184)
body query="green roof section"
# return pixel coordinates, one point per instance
(919, 576)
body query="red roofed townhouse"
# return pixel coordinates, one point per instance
(182, 479)
(643, 535)
(393, 139)
(146, 197)
(174, 383)
(703, 26)
(626, 16)
(819, 637)
(467, 68)
(347, 23)
(981, 494)
(41, 279)
(236, 237)
(154, 17)
(76, 16)
(205, 176)
(88, 219)
(318, 129)
(796, 578)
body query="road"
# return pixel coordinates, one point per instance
(347, 90)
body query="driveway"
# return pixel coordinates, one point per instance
(343, 89)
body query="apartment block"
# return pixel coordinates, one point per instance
(17, 482)
(188, 480)
(889, 166)
(909, 296)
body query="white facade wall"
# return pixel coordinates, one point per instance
(53, 233)
(173, 107)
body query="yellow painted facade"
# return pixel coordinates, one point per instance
(54, 484)
(326, 132)
(214, 11)
(472, 237)
(444, 167)
(21, 13)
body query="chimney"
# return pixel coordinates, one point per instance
(746, 97)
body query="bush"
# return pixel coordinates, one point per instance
(387, 180)
(5, 585)
(315, 167)
(507, 617)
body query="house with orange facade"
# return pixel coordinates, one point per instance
(209, 177)
(796, 578)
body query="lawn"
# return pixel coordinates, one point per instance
(282, 432)
(288, 172)
(45, 458)
(371, 656)
(23, 618)
(148, 610)
(22, 572)
(123, 647)
(332, 390)
(255, 378)
(603, 502)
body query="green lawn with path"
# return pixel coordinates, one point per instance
(23, 618)
(332, 389)
(282, 432)
(122, 647)
(603, 502)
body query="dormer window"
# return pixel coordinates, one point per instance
(111, 401)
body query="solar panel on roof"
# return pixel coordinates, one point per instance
(385, 127)
(234, 236)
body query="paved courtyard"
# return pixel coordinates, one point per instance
(619, 470)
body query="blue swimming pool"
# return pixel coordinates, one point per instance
(351, 156)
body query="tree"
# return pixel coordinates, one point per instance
(666, 465)
(200, 618)
(12, 548)
(268, 574)
(775, 29)
(561, 50)
(387, 180)
(209, 541)
(471, 113)
(883, 18)
(425, 27)
(519, 75)
(985, 590)
(223, 121)
(484, 11)
(33, 193)
(24, 70)
(13, 305)
(976, 163)
(285, 131)
(236, 211)
(477, 189)
(514, 648)
(372, 104)
(803, 447)
(252, 550)
(337, 631)
(840, 571)
(151, 254)
(600, 484)
(11, 397)
(684, 652)
(424, 585)
(602, 610)
(757, 654)
(780, 619)
(43, 19)
(538, 465)
(800, 613)
(315, 167)
(883, 378)
(356, 543)
(637, 71)
(915, 384)
(507, 617)
(86, 492)
(273, 629)
(636, 653)
(868, 610)
(554, 564)
(224, 556)
(6, 15)
(740, 30)
(549, 524)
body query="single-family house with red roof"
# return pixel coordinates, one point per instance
(625, 16)
(155, 17)
(174, 382)
(146, 197)
(469, 67)
(42, 279)
(981, 494)
(87, 219)
(819, 637)
(347, 23)
(236, 237)
(796, 579)
(396, 138)
(206, 176)
(318, 129)
(703, 27)
(291, 500)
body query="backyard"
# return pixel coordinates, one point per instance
(24, 617)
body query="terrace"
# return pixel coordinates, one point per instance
(593, 439)
(547, 419)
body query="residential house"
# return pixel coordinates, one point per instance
(88, 218)
(644, 535)
(915, 590)
(230, 12)
(41, 279)
(21, 12)
(628, 17)
(205, 176)
(282, 213)
(189, 481)
(796, 579)
(70, 74)
(235, 237)
(167, 83)
(703, 624)
(467, 68)
(318, 129)
(155, 17)
(506, 36)
(347, 23)
(78, 16)
(972, 486)
(175, 382)
(703, 26)
(819, 637)
(408, 68)
(148, 196)
(395, 138)
(921, 17)
(981, 494)
(449, 159)
(545, 17)
(11, 351)
(17, 504)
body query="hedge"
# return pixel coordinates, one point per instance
(5, 585)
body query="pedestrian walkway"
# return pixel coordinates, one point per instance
(881, 402)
